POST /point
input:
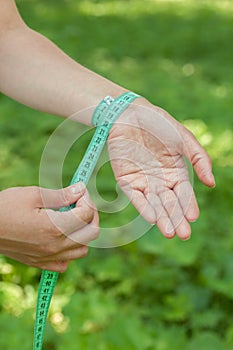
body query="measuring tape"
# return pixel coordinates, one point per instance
(104, 116)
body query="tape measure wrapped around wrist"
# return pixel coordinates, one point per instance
(104, 116)
(110, 109)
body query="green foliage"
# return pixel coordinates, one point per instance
(152, 294)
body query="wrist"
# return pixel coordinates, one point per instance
(92, 98)
(110, 109)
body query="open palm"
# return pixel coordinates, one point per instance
(147, 148)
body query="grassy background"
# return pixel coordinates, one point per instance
(153, 293)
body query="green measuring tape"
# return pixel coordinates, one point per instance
(104, 116)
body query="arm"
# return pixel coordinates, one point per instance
(146, 144)
(37, 73)
(30, 230)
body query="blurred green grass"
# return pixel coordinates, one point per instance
(153, 293)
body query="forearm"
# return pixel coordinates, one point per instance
(37, 73)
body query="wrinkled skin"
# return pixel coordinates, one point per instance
(147, 148)
(35, 234)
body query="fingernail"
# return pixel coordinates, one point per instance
(186, 238)
(169, 230)
(170, 234)
(213, 180)
(77, 188)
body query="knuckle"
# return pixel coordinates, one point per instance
(88, 215)
(34, 260)
(51, 229)
(35, 190)
(67, 196)
(55, 232)
(50, 249)
(95, 233)
(84, 251)
(62, 266)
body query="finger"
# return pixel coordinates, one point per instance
(184, 192)
(74, 219)
(155, 203)
(162, 218)
(199, 159)
(55, 265)
(77, 252)
(87, 233)
(164, 223)
(92, 212)
(141, 203)
(177, 222)
(62, 197)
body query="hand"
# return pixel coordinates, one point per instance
(147, 148)
(46, 238)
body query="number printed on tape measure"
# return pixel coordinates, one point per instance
(103, 118)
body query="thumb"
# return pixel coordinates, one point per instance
(199, 158)
(55, 199)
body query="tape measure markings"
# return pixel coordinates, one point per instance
(104, 116)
